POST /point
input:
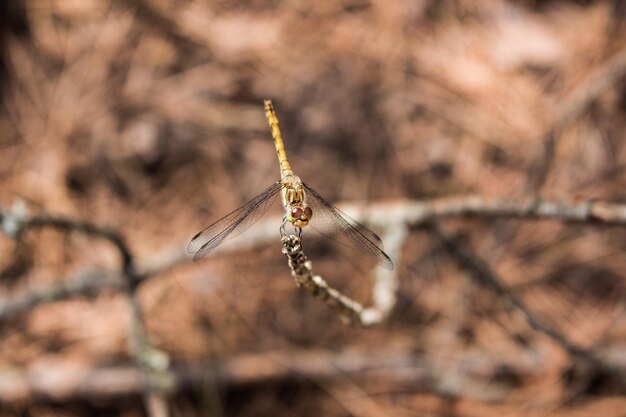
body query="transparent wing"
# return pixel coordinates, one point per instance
(232, 224)
(337, 225)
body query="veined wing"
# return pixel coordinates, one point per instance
(335, 224)
(233, 223)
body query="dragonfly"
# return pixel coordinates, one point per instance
(303, 207)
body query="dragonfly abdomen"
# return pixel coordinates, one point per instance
(285, 167)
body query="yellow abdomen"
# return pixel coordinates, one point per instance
(285, 168)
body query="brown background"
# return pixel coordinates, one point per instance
(146, 117)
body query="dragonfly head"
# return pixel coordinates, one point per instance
(299, 215)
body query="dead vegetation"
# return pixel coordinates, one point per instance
(138, 123)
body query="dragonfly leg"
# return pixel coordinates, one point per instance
(283, 232)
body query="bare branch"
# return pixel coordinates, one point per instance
(86, 283)
(302, 273)
(385, 285)
(382, 215)
(483, 274)
(15, 223)
(385, 282)
(415, 213)
(405, 367)
(153, 364)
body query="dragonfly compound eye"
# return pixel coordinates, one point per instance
(296, 212)
(308, 212)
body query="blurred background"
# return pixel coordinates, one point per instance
(146, 118)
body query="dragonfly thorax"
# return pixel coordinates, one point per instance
(294, 200)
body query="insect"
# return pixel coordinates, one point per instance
(303, 207)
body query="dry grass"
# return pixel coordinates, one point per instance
(148, 119)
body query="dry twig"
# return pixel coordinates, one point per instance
(403, 213)
(157, 377)
(302, 273)
(153, 364)
(271, 367)
(89, 283)
(483, 274)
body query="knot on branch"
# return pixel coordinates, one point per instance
(298, 262)
(12, 220)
